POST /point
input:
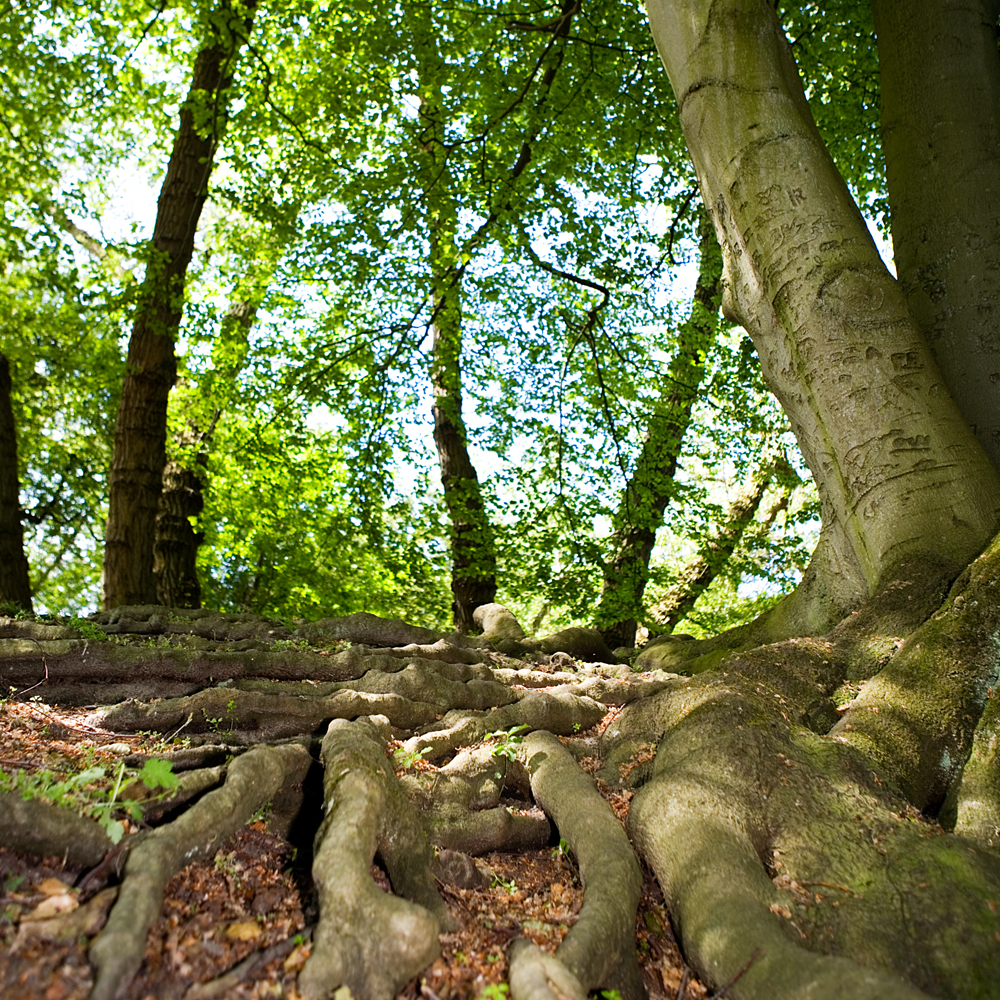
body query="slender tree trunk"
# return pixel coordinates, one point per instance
(939, 62)
(648, 492)
(473, 557)
(699, 573)
(899, 472)
(175, 556)
(140, 434)
(15, 587)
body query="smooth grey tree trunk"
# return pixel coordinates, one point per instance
(939, 62)
(899, 472)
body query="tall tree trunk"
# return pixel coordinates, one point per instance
(175, 555)
(899, 472)
(648, 492)
(699, 573)
(473, 557)
(939, 62)
(15, 587)
(139, 455)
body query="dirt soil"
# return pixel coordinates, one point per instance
(239, 924)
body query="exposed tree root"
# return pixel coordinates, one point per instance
(559, 712)
(410, 695)
(974, 805)
(774, 830)
(367, 939)
(915, 720)
(746, 809)
(40, 828)
(535, 975)
(252, 780)
(599, 949)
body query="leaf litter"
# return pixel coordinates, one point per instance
(237, 925)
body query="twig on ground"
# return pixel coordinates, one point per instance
(732, 982)
(682, 989)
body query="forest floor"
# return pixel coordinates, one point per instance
(238, 925)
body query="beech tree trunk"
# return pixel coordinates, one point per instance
(899, 472)
(473, 557)
(15, 587)
(175, 556)
(648, 492)
(939, 62)
(139, 455)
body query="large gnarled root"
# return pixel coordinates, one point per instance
(766, 837)
(409, 692)
(599, 949)
(534, 975)
(366, 939)
(253, 779)
(40, 828)
(461, 802)
(556, 711)
(974, 805)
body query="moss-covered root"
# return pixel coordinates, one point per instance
(366, 939)
(915, 719)
(40, 828)
(253, 780)
(701, 847)
(600, 948)
(559, 712)
(534, 975)
(974, 806)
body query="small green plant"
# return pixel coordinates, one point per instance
(158, 773)
(222, 723)
(11, 609)
(407, 758)
(90, 793)
(509, 884)
(506, 741)
(299, 644)
(495, 991)
(562, 850)
(89, 631)
(576, 727)
(227, 864)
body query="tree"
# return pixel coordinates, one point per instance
(15, 588)
(139, 455)
(649, 489)
(817, 792)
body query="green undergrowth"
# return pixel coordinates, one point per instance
(94, 791)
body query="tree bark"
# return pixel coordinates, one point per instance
(473, 557)
(15, 587)
(473, 554)
(939, 62)
(139, 454)
(899, 472)
(648, 492)
(175, 554)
